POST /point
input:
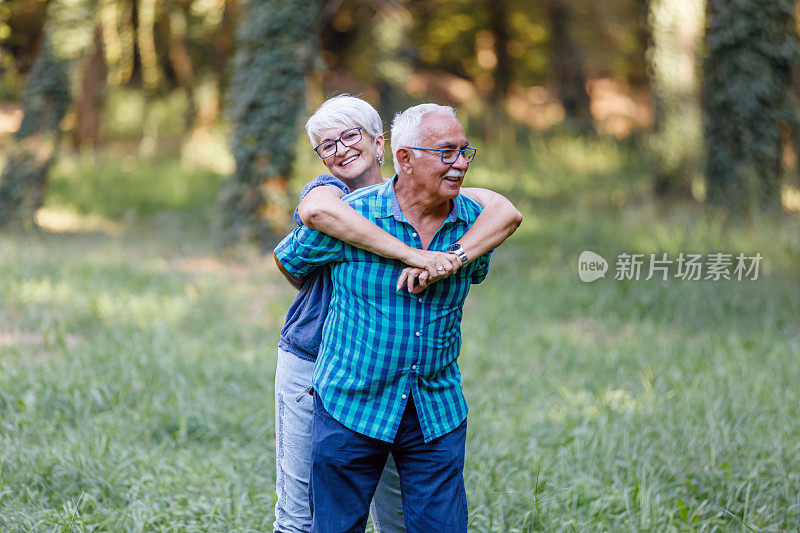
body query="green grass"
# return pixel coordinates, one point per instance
(130, 187)
(136, 367)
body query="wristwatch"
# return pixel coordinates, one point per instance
(459, 251)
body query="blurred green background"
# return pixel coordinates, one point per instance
(139, 307)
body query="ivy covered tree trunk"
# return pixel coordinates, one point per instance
(44, 104)
(751, 46)
(276, 42)
(675, 145)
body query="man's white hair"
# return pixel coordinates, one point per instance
(406, 130)
(340, 112)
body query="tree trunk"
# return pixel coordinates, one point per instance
(89, 112)
(674, 147)
(134, 77)
(497, 125)
(751, 48)
(640, 77)
(498, 25)
(392, 51)
(794, 119)
(276, 42)
(566, 62)
(25, 174)
(172, 28)
(224, 43)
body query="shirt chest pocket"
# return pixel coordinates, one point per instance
(369, 279)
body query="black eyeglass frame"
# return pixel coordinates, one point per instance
(461, 152)
(339, 140)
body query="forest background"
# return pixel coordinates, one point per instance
(152, 151)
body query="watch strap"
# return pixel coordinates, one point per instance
(459, 251)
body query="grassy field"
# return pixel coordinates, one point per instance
(137, 362)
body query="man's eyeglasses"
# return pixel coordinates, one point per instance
(347, 138)
(450, 155)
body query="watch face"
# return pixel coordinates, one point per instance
(454, 247)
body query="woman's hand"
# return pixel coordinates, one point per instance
(436, 264)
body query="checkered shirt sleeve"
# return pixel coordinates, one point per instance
(305, 249)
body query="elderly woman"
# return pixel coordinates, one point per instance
(346, 133)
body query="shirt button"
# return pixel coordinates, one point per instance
(414, 234)
(404, 396)
(419, 300)
(417, 334)
(413, 367)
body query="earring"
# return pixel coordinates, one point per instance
(380, 160)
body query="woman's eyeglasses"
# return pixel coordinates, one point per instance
(347, 138)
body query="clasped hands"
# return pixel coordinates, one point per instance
(426, 267)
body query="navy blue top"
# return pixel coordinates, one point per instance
(302, 332)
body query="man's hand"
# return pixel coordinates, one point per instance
(436, 264)
(418, 279)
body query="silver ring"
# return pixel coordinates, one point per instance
(440, 269)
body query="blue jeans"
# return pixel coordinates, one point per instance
(293, 455)
(346, 467)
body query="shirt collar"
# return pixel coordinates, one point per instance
(388, 206)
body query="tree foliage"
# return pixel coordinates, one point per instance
(275, 46)
(752, 45)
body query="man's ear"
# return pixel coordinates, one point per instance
(404, 159)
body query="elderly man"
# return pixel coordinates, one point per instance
(386, 379)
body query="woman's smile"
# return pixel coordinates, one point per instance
(348, 160)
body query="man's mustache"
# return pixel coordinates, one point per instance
(453, 173)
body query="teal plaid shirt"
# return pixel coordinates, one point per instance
(381, 346)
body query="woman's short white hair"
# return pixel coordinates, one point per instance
(406, 129)
(342, 111)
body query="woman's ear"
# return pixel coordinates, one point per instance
(380, 148)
